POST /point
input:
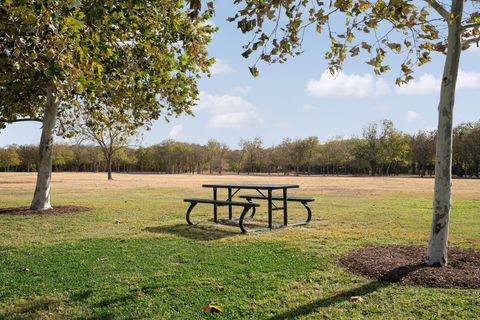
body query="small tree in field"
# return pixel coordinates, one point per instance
(411, 28)
(108, 128)
(57, 54)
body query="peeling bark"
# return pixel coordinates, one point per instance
(41, 197)
(437, 246)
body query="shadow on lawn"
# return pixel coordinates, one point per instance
(198, 232)
(394, 275)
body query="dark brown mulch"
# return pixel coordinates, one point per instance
(406, 265)
(23, 211)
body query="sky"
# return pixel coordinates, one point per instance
(299, 98)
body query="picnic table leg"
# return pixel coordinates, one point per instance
(215, 205)
(285, 211)
(230, 215)
(270, 216)
(192, 205)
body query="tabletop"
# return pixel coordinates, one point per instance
(265, 186)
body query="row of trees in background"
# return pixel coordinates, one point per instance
(380, 150)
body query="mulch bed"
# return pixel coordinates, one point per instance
(24, 211)
(406, 265)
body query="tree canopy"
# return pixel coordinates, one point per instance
(141, 59)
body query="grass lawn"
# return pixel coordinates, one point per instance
(133, 257)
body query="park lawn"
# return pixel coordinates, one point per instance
(133, 257)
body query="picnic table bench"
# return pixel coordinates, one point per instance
(303, 200)
(265, 192)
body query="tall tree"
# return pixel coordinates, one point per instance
(57, 53)
(380, 24)
(9, 157)
(394, 146)
(370, 148)
(422, 150)
(252, 151)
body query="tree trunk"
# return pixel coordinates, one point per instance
(109, 168)
(437, 245)
(41, 197)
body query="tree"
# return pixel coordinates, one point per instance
(394, 146)
(473, 147)
(370, 148)
(110, 129)
(215, 154)
(9, 157)
(252, 151)
(412, 22)
(422, 150)
(62, 155)
(56, 54)
(28, 154)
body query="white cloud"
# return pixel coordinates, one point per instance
(176, 133)
(228, 111)
(428, 83)
(241, 90)
(412, 116)
(344, 85)
(221, 67)
(468, 80)
(309, 108)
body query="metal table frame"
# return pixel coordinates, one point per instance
(233, 189)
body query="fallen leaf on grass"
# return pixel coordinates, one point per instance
(211, 308)
(356, 299)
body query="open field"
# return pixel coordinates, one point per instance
(133, 256)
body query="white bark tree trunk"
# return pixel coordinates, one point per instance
(437, 245)
(41, 197)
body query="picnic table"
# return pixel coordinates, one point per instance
(263, 192)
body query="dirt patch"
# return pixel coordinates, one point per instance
(24, 211)
(406, 265)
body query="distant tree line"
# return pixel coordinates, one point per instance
(380, 150)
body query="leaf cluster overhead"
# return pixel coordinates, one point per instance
(140, 58)
(413, 29)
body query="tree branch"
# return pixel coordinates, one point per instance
(22, 120)
(471, 25)
(439, 8)
(470, 41)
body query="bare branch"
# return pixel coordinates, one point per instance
(439, 8)
(471, 25)
(22, 120)
(468, 42)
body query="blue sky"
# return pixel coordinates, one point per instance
(298, 99)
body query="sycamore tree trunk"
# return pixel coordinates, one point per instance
(437, 245)
(41, 197)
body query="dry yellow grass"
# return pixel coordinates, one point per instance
(68, 181)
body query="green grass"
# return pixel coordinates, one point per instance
(133, 257)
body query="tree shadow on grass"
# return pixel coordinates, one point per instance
(394, 275)
(197, 232)
(31, 308)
